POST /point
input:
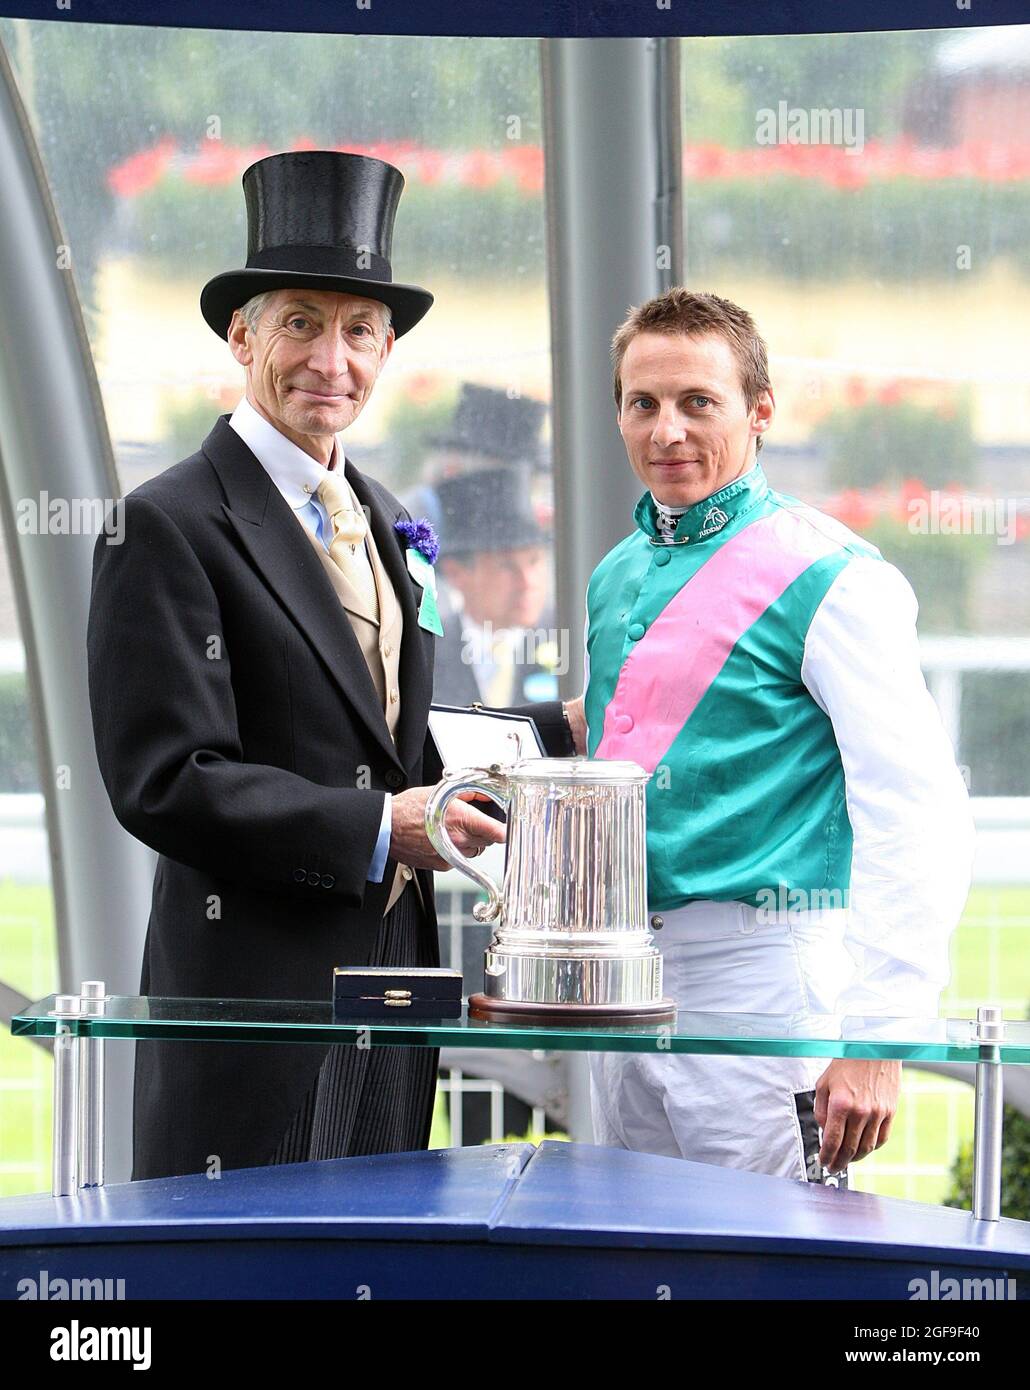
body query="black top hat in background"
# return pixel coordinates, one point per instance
(489, 421)
(321, 220)
(487, 510)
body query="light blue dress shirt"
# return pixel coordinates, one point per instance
(297, 476)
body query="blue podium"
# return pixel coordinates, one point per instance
(562, 1221)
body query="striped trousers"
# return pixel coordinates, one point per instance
(378, 1099)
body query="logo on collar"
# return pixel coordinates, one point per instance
(715, 520)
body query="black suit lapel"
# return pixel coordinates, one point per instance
(271, 537)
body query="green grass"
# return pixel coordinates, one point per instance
(993, 966)
(990, 964)
(27, 963)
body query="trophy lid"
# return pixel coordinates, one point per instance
(580, 771)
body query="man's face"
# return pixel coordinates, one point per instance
(684, 421)
(311, 362)
(508, 587)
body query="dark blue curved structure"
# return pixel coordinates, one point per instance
(564, 1221)
(532, 18)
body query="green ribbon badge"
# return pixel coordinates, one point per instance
(422, 572)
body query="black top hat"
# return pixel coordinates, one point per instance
(486, 510)
(488, 421)
(318, 220)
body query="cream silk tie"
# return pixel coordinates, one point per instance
(349, 529)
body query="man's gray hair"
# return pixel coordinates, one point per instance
(255, 307)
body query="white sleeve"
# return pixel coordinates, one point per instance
(906, 800)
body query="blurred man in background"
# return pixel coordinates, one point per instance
(496, 563)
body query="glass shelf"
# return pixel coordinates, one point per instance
(795, 1035)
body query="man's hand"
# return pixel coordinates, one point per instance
(577, 723)
(855, 1102)
(470, 830)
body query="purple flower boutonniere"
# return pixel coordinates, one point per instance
(420, 536)
(423, 548)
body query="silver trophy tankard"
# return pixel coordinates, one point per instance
(572, 938)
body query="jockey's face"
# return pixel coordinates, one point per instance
(687, 428)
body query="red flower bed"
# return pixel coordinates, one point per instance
(216, 162)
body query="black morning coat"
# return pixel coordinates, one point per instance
(239, 734)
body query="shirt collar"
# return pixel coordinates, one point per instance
(295, 473)
(707, 517)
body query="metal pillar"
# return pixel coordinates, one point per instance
(91, 1092)
(65, 1169)
(53, 439)
(989, 1113)
(611, 116)
(78, 1143)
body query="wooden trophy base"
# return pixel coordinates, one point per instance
(603, 1015)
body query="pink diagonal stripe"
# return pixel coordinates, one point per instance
(667, 673)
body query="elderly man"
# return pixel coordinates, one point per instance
(809, 835)
(260, 662)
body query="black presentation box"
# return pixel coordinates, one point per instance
(392, 991)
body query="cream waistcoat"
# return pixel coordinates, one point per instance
(379, 637)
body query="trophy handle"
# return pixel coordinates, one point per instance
(494, 784)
